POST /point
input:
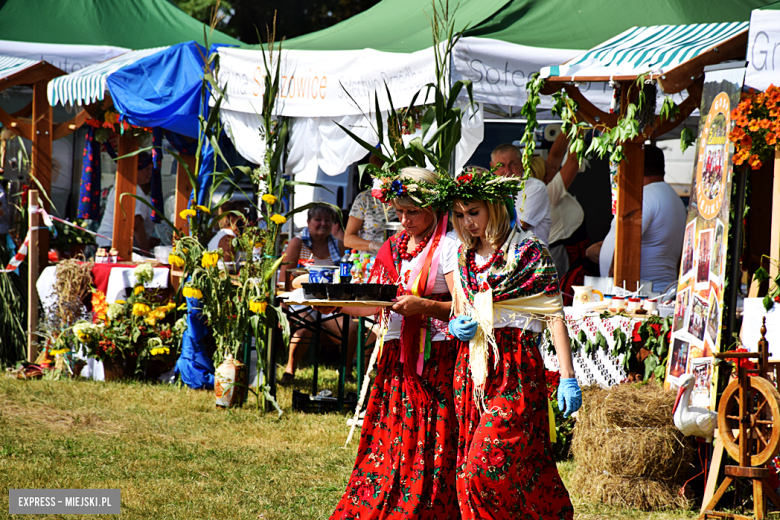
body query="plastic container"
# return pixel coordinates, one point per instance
(388, 293)
(320, 274)
(315, 291)
(634, 304)
(340, 291)
(368, 292)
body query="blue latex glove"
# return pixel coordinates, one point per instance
(463, 327)
(569, 396)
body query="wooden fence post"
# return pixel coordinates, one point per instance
(32, 275)
(124, 211)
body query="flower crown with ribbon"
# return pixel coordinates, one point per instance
(478, 184)
(390, 185)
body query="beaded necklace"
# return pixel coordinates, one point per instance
(403, 244)
(497, 256)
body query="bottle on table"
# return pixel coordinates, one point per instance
(357, 272)
(364, 260)
(345, 267)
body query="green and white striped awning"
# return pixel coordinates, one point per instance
(88, 85)
(10, 65)
(639, 50)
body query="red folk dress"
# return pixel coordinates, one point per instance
(405, 467)
(505, 468)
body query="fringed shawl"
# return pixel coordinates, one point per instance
(526, 285)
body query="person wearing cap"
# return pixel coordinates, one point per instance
(663, 228)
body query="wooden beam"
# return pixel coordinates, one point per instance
(589, 79)
(183, 190)
(588, 110)
(628, 232)
(32, 275)
(24, 112)
(41, 71)
(71, 125)
(124, 208)
(774, 247)
(42, 129)
(20, 128)
(689, 104)
(628, 218)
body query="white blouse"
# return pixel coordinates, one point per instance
(448, 262)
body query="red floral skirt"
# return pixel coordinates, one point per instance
(405, 465)
(505, 465)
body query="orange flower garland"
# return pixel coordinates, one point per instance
(757, 125)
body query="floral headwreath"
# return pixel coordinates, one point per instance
(478, 184)
(390, 185)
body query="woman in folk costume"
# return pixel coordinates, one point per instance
(506, 288)
(405, 467)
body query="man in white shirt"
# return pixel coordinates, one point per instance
(534, 211)
(663, 228)
(143, 227)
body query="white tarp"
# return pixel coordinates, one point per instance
(321, 139)
(763, 58)
(69, 58)
(325, 83)
(320, 88)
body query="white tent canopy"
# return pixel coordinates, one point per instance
(322, 88)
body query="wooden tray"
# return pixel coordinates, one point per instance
(341, 303)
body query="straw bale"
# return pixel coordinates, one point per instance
(627, 450)
(634, 493)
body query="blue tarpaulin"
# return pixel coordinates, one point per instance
(165, 90)
(162, 90)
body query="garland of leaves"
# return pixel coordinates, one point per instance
(606, 141)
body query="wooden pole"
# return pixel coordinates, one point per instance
(124, 210)
(42, 129)
(628, 232)
(774, 247)
(183, 190)
(32, 275)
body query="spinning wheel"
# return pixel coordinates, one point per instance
(761, 417)
(749, 426)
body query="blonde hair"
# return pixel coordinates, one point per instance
(416, 174)
(497, 227)
(538, 168)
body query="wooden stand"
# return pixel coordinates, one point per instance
(757, 439)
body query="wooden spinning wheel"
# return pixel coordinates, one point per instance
(761, 417)
(749, 426)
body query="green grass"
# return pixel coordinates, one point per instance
(173, 454)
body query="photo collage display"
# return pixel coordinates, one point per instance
(698, 312)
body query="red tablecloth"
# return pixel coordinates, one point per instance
(101, 272)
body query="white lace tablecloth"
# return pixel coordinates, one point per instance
(601, 368)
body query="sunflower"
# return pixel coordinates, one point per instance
(140, 309)
(209, 260)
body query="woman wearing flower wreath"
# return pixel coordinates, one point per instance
(506, 287)
(405, 467)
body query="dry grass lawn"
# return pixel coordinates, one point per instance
(174, 455)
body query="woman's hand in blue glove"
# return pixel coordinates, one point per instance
(569, 396)
(463, 327)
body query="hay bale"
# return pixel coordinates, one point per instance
(633, 493)
(627, 450)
